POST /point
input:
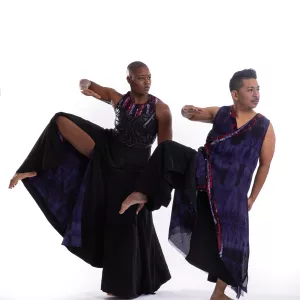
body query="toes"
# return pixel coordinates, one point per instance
(12, 184)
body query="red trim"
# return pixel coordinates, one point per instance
(219, 236)
(126, 101)
(201, 186)
(252, 122)
(140, 109)
(214, 206)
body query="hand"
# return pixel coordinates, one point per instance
(250, 203)
(84, 85)
(88, 92)
(188, 111)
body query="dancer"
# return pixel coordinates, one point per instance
(79, 173)
(210, 227)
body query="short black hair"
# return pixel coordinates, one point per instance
(135, 65)
(236, 82)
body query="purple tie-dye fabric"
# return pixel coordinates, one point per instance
(59, 187)
(232, 156)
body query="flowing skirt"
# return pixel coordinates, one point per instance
(192, 230)
(81, 198)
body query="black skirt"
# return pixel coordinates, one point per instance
(204, 248)
(172, 166)
(81, 198)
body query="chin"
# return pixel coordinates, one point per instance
(252, 105)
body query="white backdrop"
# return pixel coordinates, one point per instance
(192, 49)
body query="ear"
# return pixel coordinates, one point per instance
(234, 95)
(129, 80)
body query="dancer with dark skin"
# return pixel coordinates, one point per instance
(127, 248)
(140, 82)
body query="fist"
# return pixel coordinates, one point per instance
(189, 110)
(84, 84)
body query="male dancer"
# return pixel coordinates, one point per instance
(210, 227)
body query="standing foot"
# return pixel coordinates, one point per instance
(132, 199)
(219, 296)
(20, 176)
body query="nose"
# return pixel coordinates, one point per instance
(256, 93)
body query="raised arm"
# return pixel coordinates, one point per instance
(164, 118)
(205, 115)
(105, 94)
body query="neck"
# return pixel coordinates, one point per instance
(242, 110)
(139, 99)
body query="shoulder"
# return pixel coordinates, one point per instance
(122, 101)
(225, 109)
(270, 132)
(263, 121)
(264, 126)
(221, 112)
(160, 105)
(262, 117)
(162, 110)
(125, 96)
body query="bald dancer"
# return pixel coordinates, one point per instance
(79, 173)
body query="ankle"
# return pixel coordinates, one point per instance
(142, 196)
(218, 292)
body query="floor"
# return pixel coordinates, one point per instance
(161, 295)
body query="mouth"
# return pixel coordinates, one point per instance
(147, 88)
(256, 101)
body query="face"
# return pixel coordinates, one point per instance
(140, 81)
(248, 94)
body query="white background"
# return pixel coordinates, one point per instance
(192, 48)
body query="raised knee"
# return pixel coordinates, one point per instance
(60, 120)
(58, 116)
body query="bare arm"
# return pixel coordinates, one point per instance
(164, 117)
(266, 156)
(205, 115)
(105, 94)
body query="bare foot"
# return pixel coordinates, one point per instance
(219, 296)
(20, 176)
(132, 199)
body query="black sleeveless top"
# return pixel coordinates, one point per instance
(136, 124)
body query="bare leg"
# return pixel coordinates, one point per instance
(219, 292)
(80, 140)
